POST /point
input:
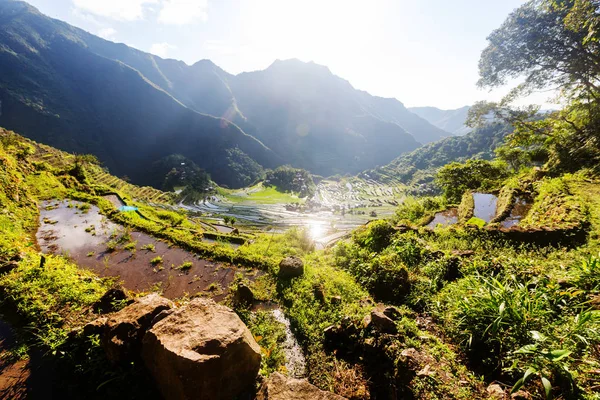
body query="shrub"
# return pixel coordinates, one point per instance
(415, 210)
(149, 247)
(375, 236)
(156, 260)
(186, 266)
(493, 316)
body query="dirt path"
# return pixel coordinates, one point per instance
(14, 374)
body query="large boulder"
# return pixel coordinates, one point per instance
(278, 387)
(201, 351)
(124, 330)
(291, 267)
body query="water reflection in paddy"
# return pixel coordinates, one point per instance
(485, 206)
(444, 218)
(518, 212)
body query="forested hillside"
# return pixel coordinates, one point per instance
(418, 167)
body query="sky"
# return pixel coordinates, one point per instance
(422, 52)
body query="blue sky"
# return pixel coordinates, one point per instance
(422, 52)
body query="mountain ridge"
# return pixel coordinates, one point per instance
(452, 121)
(331, 128)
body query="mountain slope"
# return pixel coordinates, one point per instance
(55, 89)
(317, 120)
(452, 121)
(73, 90)
(419, 166)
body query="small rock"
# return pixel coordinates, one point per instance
(495, 391)
(392, 313)
(96, 327)
(382, 323)
(201, 351)
(278, 387)
(463, 253)
(125, 329)
(8, 267)
(106, 303)
(426, 371)
(291, 267)
(319, 293)
(520, 395)
(243, 295)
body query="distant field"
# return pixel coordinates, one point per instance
(260, 195)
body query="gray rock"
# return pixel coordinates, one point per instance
(382, 323)
(291, 267)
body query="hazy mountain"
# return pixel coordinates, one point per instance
(452, 121)
(65, 87)
(316, 120)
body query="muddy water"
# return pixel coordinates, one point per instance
(485, 206)
(518, 212)
(444, 218)
(63, 231)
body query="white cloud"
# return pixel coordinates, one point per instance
(161, 49)
(122, 10)
(183, 12)
(107, 33)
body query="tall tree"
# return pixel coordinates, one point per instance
(549, 44)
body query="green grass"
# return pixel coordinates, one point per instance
(260, 195)
(156, 260)
(186, 266)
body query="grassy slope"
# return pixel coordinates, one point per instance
(57, 298)
(508, 307)
(260, 195)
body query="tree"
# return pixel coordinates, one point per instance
(549, 44)
(456, 178)
(552, 43)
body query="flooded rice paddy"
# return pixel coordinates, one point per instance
(485, 206)
(85, 235)
(444, 218)
(520, 209)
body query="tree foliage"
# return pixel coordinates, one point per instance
(288, 179)
(456, 178)
(550, 44)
